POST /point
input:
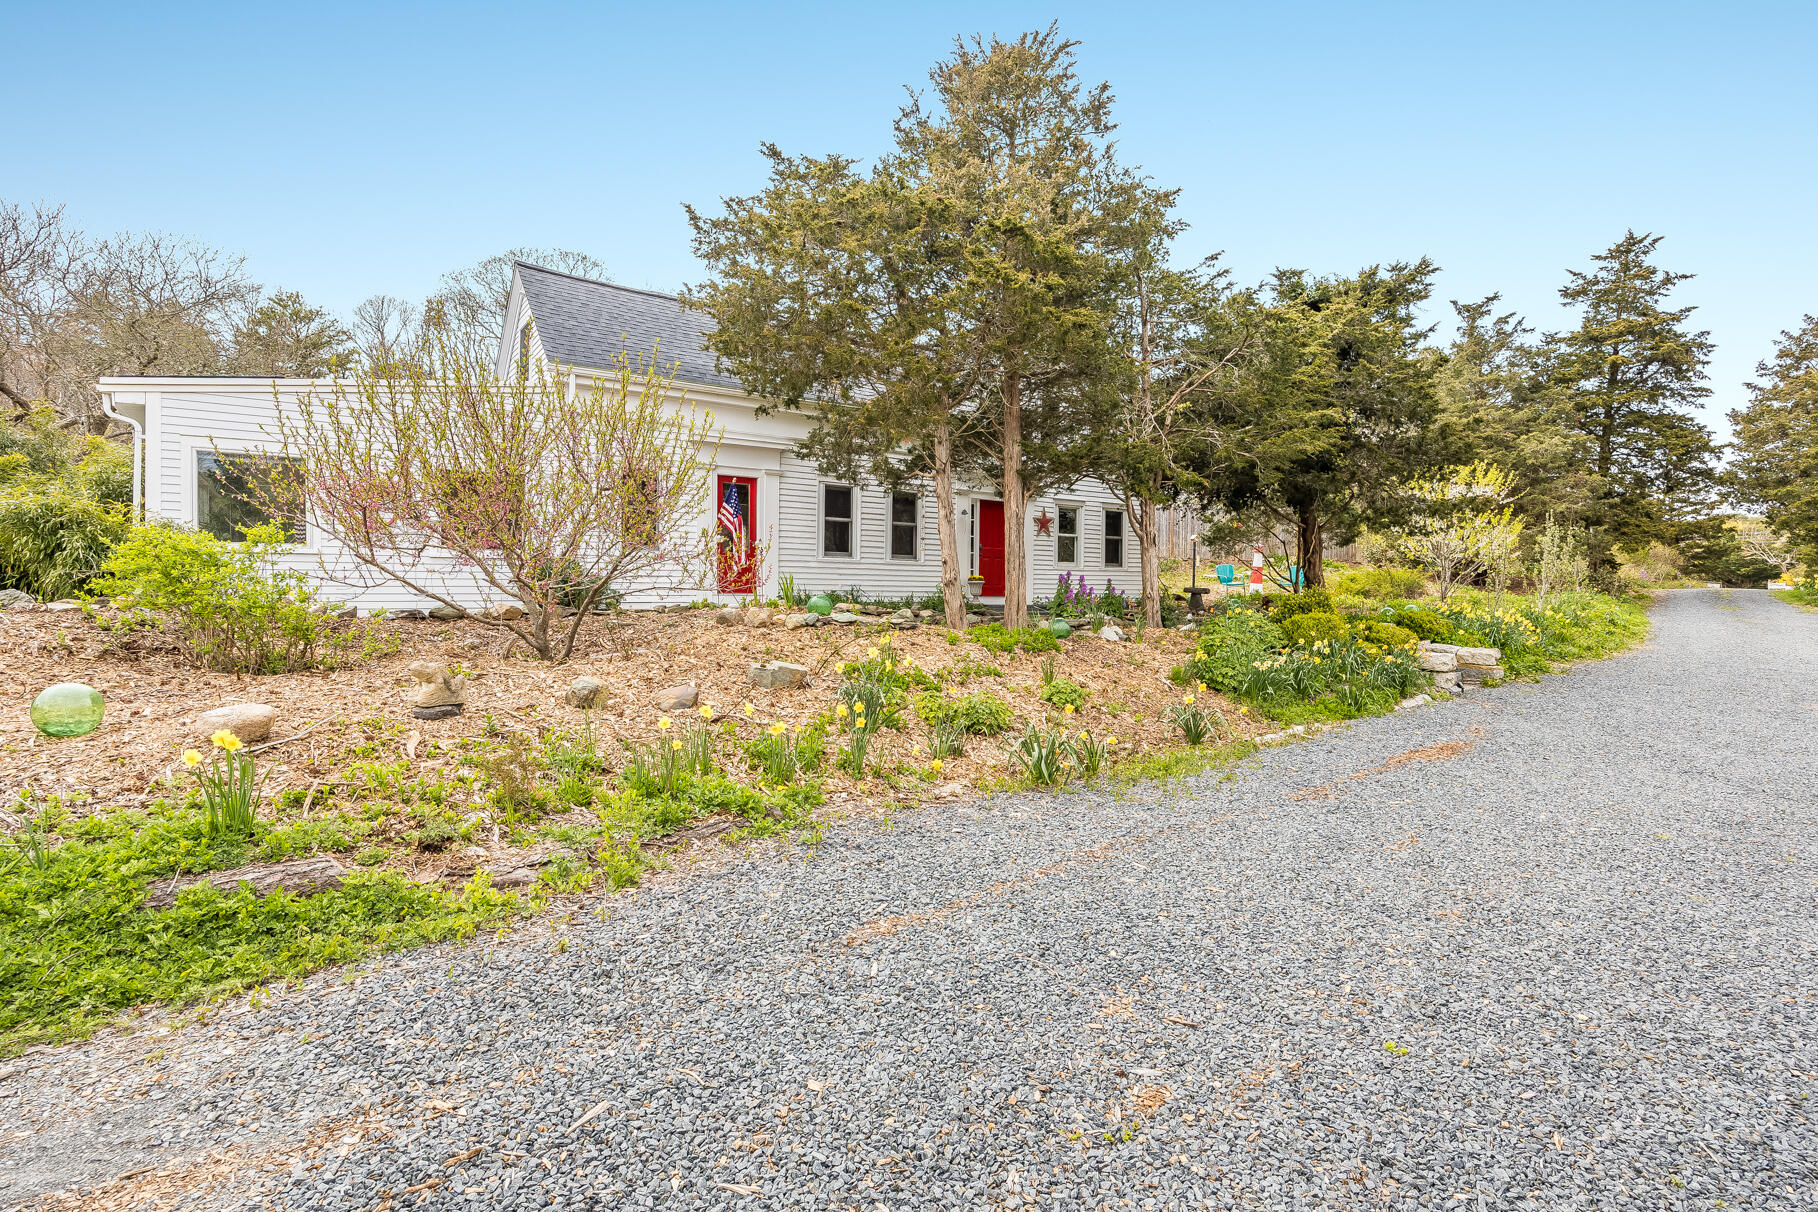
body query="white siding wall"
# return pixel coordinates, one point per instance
(184, 417)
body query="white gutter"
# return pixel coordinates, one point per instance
(107, 407)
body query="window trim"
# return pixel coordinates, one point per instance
(852, 521)
(1078, 536)
(1123, 533)
(915, 528)
(193, 449)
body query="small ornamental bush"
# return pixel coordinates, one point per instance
(228, 606)
(1426, 624)
(1388, 635)
(1283, 606)
(980, 713)
(1063, 693)
(1382, 584)
(998, 638)
(1304, 629)
(53, 540)
(1229, 644)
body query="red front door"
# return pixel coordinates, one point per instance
(991, 548)
(736, 516)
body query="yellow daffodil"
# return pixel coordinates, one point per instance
(871, 653)
(936, 765)
(750, 710)
(1202, 688)
(1187, 699)
(676, 744)
(664, 723)
(227, 740)
(1111, 740)
(1067, 710)
(192, 758)
(841, 710)
(776, 729)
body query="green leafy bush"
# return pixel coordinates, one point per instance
(1375, 631)
(1284, 606)
(1382, 584)
(1229, 643)
(1063, 693)
(54, 540)
(1424, 623)
(981, 712)
(1303, 629)
(998, 638)
(227, 605)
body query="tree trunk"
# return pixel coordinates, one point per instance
(1016, 588)
(1309, 545)
(1146, 518)
(953, 596)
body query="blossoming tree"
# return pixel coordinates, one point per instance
(553, 492)
(1463, 524)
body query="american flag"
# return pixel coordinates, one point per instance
(732, 516)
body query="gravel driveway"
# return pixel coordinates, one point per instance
(1548, 946)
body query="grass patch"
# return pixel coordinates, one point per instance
(1803, 596)
(1180, 763)
(78, 947)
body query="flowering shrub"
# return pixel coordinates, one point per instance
(1229, 644)
(1304, 629)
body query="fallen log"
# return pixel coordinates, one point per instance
(299, 877)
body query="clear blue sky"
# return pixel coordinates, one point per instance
(354, 149)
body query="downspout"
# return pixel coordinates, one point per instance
(107, 408)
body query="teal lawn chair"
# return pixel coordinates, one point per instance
(1227, 577)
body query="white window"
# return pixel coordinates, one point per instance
(235, 492)
(837, 517)
(905, 525)
(1066, 535)
(1114, 538)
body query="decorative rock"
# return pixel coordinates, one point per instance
(251, 722)
(729, 616)
(584, 693)
(68, 709)
(299, 877)
(1448, 682)
(848, 607)
(778, 675)
(447, 614)
(759, 616)
(62, 604)
(904, 624)
(1435, 661)
(15, 599)
(924, 614)
(504, 611)
(795, 621)
(407, 612)
(1419, 700)
(436, 688)
(677, 698)
(517, 877)
(820, 603)
(446, 711)
(1486, 657)
(1111, 632)
(1477, 675)
(843, 616)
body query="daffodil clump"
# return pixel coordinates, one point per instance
(1192, 718)
(229, 783)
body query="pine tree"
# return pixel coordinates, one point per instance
(1633, 372)
(1774, 465)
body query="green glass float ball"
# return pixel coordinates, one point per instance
(1061, 628)
(820, 603)
(67, 709)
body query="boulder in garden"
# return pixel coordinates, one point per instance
(251, 722)
(584, 693)
(677, 698)
(1434, 661)
(778, 675)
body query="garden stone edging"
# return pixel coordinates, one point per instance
(1468, 666)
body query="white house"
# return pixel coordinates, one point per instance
(827, 534)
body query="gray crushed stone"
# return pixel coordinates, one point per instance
(1547, 946)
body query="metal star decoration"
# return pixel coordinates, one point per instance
(1043, 523)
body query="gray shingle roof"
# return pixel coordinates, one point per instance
(587, 323)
